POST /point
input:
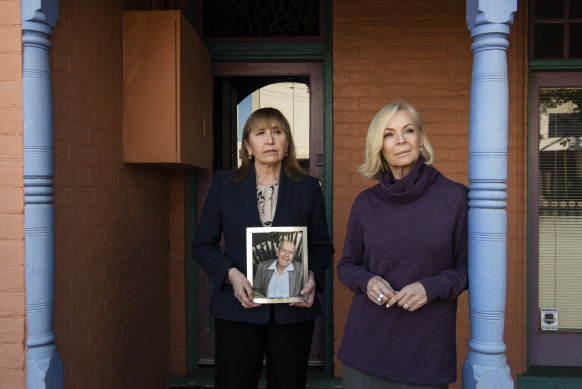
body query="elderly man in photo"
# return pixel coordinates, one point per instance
(282, 277)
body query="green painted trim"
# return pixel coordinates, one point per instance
(328, 346)
(203, 377)
(527, 225)
(266, 51)
(535, 382)
(192, 272)
(191, 12)
(328, 196)
(572, 64)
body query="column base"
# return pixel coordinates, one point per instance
(44, 373)
(482, 371)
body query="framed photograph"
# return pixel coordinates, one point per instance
(277, 263)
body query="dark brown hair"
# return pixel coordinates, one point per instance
(268, 118)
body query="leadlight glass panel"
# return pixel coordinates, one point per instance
(549, 42)
(575, 9)
(545, 9)
(261, 18)
(555, 29)
(575, 49)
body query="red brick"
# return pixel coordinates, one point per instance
(10, 66)
(351, 66)
(11, 329)
(10, 92)
(12, 251)
(11, 37)
(12, 200)
(12, 304)
(79, 112)
(444, 38)
(11, 120)
(11, 226)
(67, 86)
(11, 279)
(13, 362)
(402, 91)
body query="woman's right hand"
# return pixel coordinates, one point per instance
(379, 290)
(243, 291)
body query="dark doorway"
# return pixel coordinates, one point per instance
(233, 82)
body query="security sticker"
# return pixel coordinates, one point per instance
(549, 319)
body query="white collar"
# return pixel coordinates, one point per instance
(289, 267)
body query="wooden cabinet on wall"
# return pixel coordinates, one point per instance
(167, 91)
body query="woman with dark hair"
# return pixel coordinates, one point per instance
(269, 189)
(405, 259)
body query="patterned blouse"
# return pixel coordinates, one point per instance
(267, 202)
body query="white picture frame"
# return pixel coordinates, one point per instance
(265, 255)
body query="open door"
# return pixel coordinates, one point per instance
(235, 84)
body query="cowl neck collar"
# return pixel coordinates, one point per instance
(411, 186)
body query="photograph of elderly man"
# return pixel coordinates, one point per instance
(280, 277)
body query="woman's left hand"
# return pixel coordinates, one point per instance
(309, 290)
(410, 298)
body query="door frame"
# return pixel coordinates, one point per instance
(302, 50)
(320, 69)
(314, 70)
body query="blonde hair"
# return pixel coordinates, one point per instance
(268, 118)
(374, 163)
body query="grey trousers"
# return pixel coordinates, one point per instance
(357, 379)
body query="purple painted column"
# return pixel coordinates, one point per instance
(43, 365)
(489, 22)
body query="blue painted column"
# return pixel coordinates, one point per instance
(43, 365)
(489, 22)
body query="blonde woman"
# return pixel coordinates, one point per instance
(405, 259)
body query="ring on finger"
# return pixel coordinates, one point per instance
(405, 306)
(379, 298)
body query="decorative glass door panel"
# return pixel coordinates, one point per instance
(560, 207)
(555, 219)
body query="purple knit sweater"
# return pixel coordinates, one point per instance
(413, 229)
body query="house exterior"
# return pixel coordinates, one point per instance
(96, 285)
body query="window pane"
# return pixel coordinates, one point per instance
(575, 49)
(549, 9)
(549, 40)
(560, 204)
(575, 9)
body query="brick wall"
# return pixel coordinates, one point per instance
(177, 261)
(419, 51)
(12, 297)
(111, 283)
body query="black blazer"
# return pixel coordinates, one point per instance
(230, 208)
